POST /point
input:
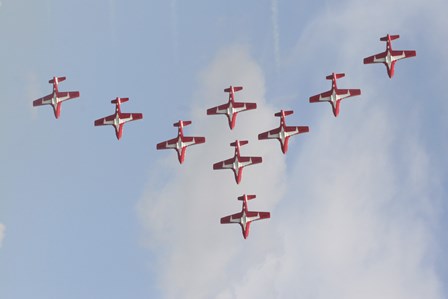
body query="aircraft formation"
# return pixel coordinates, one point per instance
(230, 109)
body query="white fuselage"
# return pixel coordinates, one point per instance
(230, 110)
(389, 59)
(54, 100)
(118, 121)
(236, 165)
(244, 220)
(179, 144)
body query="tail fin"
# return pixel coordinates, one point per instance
(235, 89)
(239, 142)
(285, 113)
(119, 100)
(386, 38)
(248, 197)
(336, 76)
(183, 122)
(56, 79)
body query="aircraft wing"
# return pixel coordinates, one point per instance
(131, 116)
(289, 130)
(345, 93)
(67, 95)
(108, 120)
(378, 58)
(403, 54)
(167, 144)
(240, 106)
(322, 97)
(272, 134)
(246, 161)
(237, 106)
(253, 216)
(221, 109)
(226, 164)
(234, 218)
(187, 141)
(43, 101)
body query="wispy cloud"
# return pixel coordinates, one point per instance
(276, 32)
(2, 233)
(174, 30)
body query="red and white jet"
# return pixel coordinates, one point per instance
(231, 108)
(56, 98)
(245, 217)
(237, 163)
(118, 119)
(389, 57)
(181, 142)
(283, 132)
(335, 95)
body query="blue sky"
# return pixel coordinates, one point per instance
(358, 205)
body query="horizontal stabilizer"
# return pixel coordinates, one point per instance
(119, 100)
(285, 113)
(248, 197)
(240, 142)
(183, 122)
(336, 76)
(392, 37)
(59, 80)
(235, 89)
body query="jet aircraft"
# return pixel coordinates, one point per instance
(56, 98)
(231, 108)
(335, 95)
(389, 57)
(245, 217)
(283, 132)
(181, 142)
(237, 163)
(118, 119)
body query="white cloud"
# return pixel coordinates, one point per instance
(2, 233)
(358, 214)
(182, 215)
(354, 225)
(352, 214)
